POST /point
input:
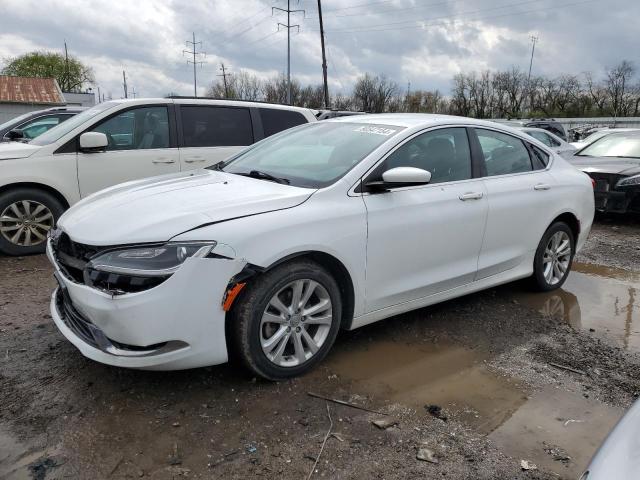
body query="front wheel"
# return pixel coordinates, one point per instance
(26, 216)
(553, 258)
(287, 320)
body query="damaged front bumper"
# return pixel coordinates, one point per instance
(176, 325)
(611, 198)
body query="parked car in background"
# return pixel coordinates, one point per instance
(618, 457)
(613, 162)
(603, 132)
(550, 125)
(118, 141)
(335, 224)
(326, 114)
(32, 124)
(552, 141)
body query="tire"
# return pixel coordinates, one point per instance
(249, 331)
(40, 209)
(552, 262)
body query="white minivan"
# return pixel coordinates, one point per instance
(119, 141)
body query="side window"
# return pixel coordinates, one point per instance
(204, 126)
(137, 129)
(274, 121)
(503, 153)
(540, 158)
(38, 126)
(444, 152)
(541, 136)
(553, 141)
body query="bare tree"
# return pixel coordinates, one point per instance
(617, 86)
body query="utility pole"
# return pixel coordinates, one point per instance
(99, 97)
(224, 79)
(133, 92)
(124, 84)
(288, 26)
(195, 62)
(324, 58)
(534, 40)
(65, 87)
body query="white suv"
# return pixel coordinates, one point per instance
(116, 142)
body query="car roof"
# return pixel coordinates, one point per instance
(212, 101)
(410, 120)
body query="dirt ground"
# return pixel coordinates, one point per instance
(477, 385)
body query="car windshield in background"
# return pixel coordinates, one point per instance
(65, 127)
(311, 156)
(619, 145)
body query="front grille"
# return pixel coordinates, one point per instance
(73, 319)
(73, 257)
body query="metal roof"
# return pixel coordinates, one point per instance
(31, 90)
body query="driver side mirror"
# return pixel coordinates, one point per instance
(93, 142)
(15, 134)
(400, 177)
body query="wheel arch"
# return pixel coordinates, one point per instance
(571, 220)
(339, 272)
(38, 186)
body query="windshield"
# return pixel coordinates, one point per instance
(65, 127)
(619, 145)
(16, 120)
(313, 155)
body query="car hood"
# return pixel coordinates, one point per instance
(157, 209)
(620, 166)
(11, 150)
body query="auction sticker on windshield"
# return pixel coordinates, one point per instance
(376, 130)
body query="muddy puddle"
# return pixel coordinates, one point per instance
(555, 429)
(19, 461)
(595, 298)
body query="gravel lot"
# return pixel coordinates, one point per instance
(492, 366)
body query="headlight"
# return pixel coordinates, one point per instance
(629, 181)
(149, 261)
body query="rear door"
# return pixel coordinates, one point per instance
(520, 195)
(276, 120)
(210, 134)
(141, 144)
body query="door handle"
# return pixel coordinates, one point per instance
(542, 186)
(471, 196)
(163, 160)
(193, 159)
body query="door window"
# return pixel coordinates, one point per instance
(540, 158)
(503, 153)
(38, 126)
(204, 126)
(274, 121)
(443, 152)
(137, 129)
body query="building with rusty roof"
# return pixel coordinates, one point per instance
(19, 95)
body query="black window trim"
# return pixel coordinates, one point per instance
(359, 189)
(252, 116)
(527, 146)
(73, 145)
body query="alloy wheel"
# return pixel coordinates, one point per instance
(26, 223)
(296, 323)
(557, 257)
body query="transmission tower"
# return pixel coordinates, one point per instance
(194, 51)
(288, 26)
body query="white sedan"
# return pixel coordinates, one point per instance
(330, 225)
(555, 143)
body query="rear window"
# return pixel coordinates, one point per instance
(274, 121)
(204, 126)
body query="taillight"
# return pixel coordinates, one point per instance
(593, 183)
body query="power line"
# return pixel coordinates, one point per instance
(288, 26)
(195, 62)
(455, 18)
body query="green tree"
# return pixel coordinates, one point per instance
(71, 74)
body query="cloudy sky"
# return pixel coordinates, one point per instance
(421, 41)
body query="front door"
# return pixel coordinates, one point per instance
(139, 147)
(425, 239)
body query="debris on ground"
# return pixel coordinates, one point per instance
(570, 369)
(426, 455)
(436, 411)
(384, 423)
(527, 465)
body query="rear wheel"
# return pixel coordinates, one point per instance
(554, 257)
(26, 216)
(287, 320)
